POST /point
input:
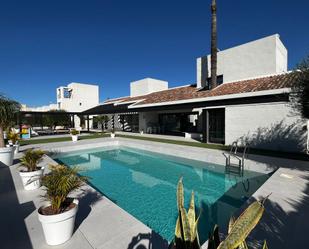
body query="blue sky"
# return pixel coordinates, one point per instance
(45, 44)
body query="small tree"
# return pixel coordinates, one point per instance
(301, 88)
(102, 120)
(8, 112)
(54, 118)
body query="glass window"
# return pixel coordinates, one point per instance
(66, 93)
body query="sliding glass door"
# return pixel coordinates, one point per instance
(216, 125)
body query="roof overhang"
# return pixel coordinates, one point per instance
(278, 95)
(221, 97)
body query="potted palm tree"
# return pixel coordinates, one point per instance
(8, 111)
(74, 135)
(13, 140)
(57, 215)
(31, 176)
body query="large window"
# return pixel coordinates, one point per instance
(178, 123)
(67, 93)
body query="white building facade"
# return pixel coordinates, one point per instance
(75, 97)
(250, 105)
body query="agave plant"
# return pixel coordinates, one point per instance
(59, 183)
(186, 235)
(31, 159)
(239, 229)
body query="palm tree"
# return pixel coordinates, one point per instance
(213, 44)
(8, 111)
(102, 119)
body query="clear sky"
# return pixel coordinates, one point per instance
(45, 44)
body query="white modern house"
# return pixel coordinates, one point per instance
(77, 97)
(73, 98)
(251, 104)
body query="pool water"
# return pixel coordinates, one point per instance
(144, 184)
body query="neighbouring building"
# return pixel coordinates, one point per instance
(251, 104)
(75, 98)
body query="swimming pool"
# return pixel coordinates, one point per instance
(144, 184)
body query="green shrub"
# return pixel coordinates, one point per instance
(31, 159)
(59, 183)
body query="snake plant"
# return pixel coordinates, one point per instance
(186, 235)
(239, 229)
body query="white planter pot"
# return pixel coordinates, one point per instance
(31, 180)
(58, 228)
(16, 146)
(112, 135)
(74, 138)
(7, 155)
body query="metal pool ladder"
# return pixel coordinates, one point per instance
(233, 154)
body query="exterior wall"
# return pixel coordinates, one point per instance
(257, 58)
(267, 126)
(83, 97)
(146, 86)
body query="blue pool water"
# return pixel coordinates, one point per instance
(144, 184)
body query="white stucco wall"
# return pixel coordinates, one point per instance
(264, 56)
(83, 97)
(269, 126)
(146, 86)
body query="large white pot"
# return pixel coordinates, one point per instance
(58, 228)
(16, 146)
(74, 138)
(7, 155)
(31, 180)
(112, 135)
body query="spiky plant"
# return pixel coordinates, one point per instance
(59, 183)
(74, 132)
(8, 111)
(13, 136)
(186, 235)
(239, 229)
(31, 159)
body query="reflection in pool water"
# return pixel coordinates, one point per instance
(144, 184)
